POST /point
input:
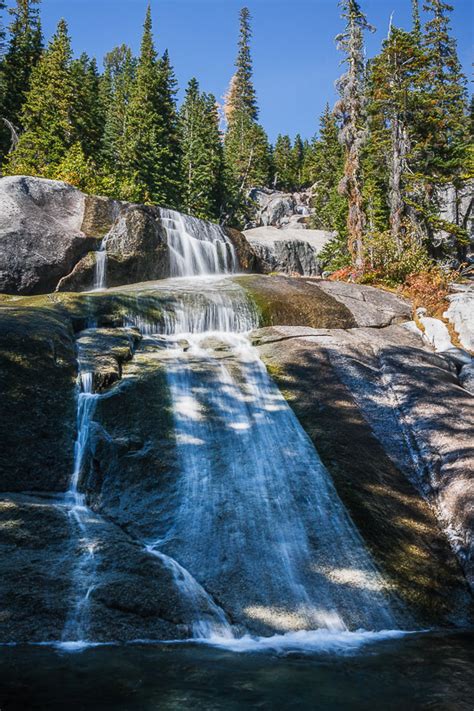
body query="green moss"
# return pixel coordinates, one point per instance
(286, 301)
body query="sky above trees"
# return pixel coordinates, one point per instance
(294, 54)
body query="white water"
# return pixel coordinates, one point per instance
(197, 247)
(74, 631)
(259, 523)
(100, 272)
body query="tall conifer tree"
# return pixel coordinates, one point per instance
(351, 111)
(88, 110)
(325, 169)
(47, 113)
(116, 90)
(246, 148)
(202, 158)
(396, 104)
(284, 163)
(151, 141)
(23, 52)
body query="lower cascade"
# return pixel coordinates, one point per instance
(259, 539)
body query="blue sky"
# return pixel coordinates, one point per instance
(295, 59)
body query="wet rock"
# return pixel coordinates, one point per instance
(130, 474)
(35, 568)
(392, 425)
(133, 594)
(248, 258)
(103, 351)
(37, 406)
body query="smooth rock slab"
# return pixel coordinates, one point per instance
(390, 422)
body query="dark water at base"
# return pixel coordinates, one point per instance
(432, 671)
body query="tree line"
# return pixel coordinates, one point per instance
(401, 130)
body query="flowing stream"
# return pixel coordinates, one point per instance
(258, 525)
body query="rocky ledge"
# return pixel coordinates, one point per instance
(388, 417)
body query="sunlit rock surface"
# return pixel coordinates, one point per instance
(194, 465)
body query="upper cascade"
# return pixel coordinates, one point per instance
(197, 247)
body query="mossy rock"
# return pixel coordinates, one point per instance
(286, 301)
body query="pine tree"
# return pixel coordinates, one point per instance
(46, 114)
(246, 98)
(170, 162)
(325, 170)
(440, 129)
(23, 53)
(151, 138)
(298, 160)
(350, 110)
(246, 148)
(202, 158)
(115, 90)
(395, 83)
(284, 163)
(445, 125)
(88, 110)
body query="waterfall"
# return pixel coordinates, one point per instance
(197, 247)
(100, 272)
(259, 534)
(259, 522)
(82, 584)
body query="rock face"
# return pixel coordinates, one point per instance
(457, 206)
(279, 209)
(369, 306)
(42, 235)
(288, 250)
(37, 407)
(461, 314)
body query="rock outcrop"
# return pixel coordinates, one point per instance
(280, 209)
(50, 234)
(289, 251)
(388, 417)
(46, 227)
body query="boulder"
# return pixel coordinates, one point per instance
(46, 227)
(277, 208)
(291, 251)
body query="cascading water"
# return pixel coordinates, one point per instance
(100, 271)
(197, 247)
(258, 525)
(74, 629)
(259, 522)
